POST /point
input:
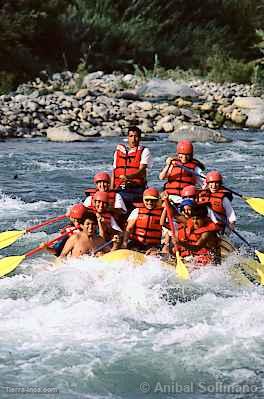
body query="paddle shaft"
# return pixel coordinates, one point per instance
(48, 243)
(242, 238)
(102, 246)
(46, 223)
(170, 218)
(181, 268)
(204, 177)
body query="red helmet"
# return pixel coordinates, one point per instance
(151, 193)
(77, 211)
(101, 176)
(184, 147)
(214, 176)
(188, 191)
(101, 196)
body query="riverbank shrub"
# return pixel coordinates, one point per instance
(116, 35)
(223, 68)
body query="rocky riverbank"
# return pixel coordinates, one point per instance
(68, 107)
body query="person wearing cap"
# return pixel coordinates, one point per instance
(143, 225)
(86, 241)
(107, 224)
(219, 200)
(198, 240)
(131, 162)
(176, 173)
(116, 205)
(181, 214)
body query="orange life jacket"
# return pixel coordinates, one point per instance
(215, 201)
(147, 230)
(127, 163)
(180, 178)
(111, 196)
(191, 236)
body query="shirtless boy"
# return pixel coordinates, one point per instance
(86, 241)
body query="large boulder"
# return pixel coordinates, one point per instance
(248, 102)
(198, 134)
(91, 76)
(253, 107)
(64, 134)
(168, 89)
(255, 117)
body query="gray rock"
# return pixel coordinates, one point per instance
(91, 76)
(166, 89)
(197, 134)
(238, 117)
(248, 102)
(255, 117)
(63, 134)
(108, 132)
(82, 93)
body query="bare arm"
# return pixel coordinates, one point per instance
(165, 171)
(112, 186)
(163, 217)
(130, 226)
(69, 245)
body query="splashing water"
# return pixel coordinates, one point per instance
(95, 330)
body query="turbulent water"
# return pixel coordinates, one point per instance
(91, 330)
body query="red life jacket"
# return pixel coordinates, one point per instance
(106, 215)
(147, 230)
(127, 163)
(111, 196)
(89, 191)
(180, 178)
(215, 201)
(191, 236)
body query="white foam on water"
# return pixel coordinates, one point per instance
(61, 164)
(10, 207)
(86, 326)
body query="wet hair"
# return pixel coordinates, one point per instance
(134, 129)
(88, 215)
(199, 211)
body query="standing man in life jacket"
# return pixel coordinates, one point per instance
(219, 199)
(116, 205)
(143, 227)
(129, 177)
(198, 240)
(177, 177)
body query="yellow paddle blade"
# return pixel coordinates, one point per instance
(9, 237)
(8, 264)
(260, 255)
(261, 276)
(256, 203)
(181, 268)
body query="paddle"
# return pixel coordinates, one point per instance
(10, 263)
(255, 203)
(259, 254)
(10, 236)
(181, 268)
(98, 249)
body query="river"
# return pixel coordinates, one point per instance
(87, 330)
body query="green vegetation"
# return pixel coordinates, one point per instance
(218, 38)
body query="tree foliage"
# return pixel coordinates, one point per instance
(56, 34)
